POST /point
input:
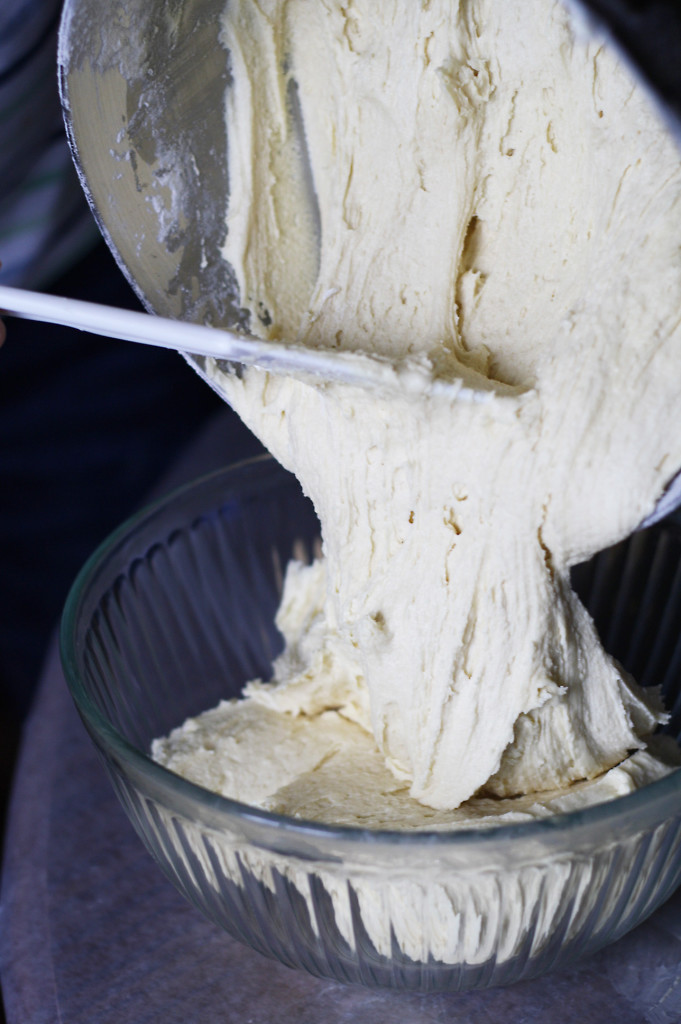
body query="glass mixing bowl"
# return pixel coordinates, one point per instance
(176, 611)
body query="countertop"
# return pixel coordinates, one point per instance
(91, 932)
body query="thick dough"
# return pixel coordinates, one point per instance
(465, 189)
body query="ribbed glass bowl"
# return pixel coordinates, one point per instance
(176, 611)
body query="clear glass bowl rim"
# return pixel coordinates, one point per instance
(652, 804)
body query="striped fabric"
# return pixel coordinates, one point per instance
(45, 224)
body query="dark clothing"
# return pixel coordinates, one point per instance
(86, 426)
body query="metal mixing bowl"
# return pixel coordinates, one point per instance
(142, 87)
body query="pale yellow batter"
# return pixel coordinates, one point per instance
(467, 189)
